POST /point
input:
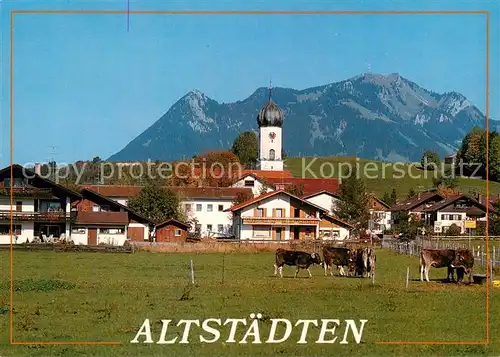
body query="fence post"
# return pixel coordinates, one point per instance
(192, 272)
(407, 276)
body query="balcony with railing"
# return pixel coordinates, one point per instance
(287, 221)
(50, 216)
(26, 191)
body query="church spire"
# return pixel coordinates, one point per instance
(270, 88)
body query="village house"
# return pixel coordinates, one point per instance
(415, 205)
(278, 215)
(325, 199)
(171, 230)
(203, 207)
(461, 210)
(380, 215)
(41, 208)
(101, 220)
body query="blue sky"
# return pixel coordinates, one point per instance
(87, 86)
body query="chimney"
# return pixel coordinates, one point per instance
(38, 168)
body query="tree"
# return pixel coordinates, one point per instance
(453, 230)
(430, 160)
(408, 225)
(246, 148)
(296, 190)
(447, 180)
(156, 203)
(386, 198)
(411, 193)
(217, 167)
(493, 155)
(394, 196)
(353, 204)
(470, 149)
(242, 197)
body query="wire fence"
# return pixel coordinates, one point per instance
(413, 248)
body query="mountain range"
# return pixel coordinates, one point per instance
(372, 116)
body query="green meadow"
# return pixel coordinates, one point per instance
(107, 297)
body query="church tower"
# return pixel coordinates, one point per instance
(270, 121)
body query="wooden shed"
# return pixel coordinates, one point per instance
(171, 230)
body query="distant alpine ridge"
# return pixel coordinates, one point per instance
(372, 116)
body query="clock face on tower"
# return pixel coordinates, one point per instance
(272, 135)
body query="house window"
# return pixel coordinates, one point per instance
(104, 208)
(296, 213)
(220, 228)
(260, 212)
(198, 207)
(177, 232)
(19, 206)
(187, 207)
(261, 231)
(272, 154)
(279, 212)
(78, 230)
(209, 227)
(111, 230)
(221, 208)
(95, 208)
(5, 229)
(210, 208)
(249, 183)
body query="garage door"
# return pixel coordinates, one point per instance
(136, 234)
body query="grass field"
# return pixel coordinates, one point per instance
(107, 297)
(381, 177)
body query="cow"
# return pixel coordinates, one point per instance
(438, 259)
(335, 256)
(362, 262)
(302, 260)
(369, 260)
(464, 262)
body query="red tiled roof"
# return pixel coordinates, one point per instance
(310, 185)
(101, 218)
(321, 192)
(188, 192)
(115, 190)
(338, 220)
(268, 174)
(452, 199)
(267, 195)
(415, 201)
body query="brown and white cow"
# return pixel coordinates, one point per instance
(302, 260)
(335, 256)
(444, 258)
(464, 262)
(362, 262)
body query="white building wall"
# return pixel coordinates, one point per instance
(28, 205)
(80, 238)
(384, 219)
(266, 144)
(27, 233)
(257, 187)
(204, 217)
(449, 222)
(280, 201)
(276, 201)
(112, 239)
(324, 200)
